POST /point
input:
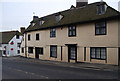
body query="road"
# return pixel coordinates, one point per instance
(21, 69)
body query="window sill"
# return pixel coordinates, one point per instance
(72, 59)
(30, 53)
(72, 36)
(100, 34)
(98, 58)
(53, 57)
(52, 37)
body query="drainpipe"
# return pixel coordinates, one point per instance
(25, 46)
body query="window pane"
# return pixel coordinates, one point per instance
(53, 51)
(103, 30)
(74, 32)
(73, 52)
(52, 32)
(93, 52)
(101, 9)
(70, 33)
(70, 28)
(73, 27)
(97, 52)
(97, 31)
(103, 53)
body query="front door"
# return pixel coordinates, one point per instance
(37, 53)
(72, 53)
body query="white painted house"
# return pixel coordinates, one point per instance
(10, 43)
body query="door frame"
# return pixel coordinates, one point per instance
(119, 56)
(36, 55)
(69, 47)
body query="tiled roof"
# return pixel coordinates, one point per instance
(7, 36)
(74, 16)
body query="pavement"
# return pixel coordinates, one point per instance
(95, 66)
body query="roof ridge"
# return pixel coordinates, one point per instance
(9, 31)
(71, 10)
(77, 15)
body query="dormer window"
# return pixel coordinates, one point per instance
(58, 17)
(72, 7)
(41, 22)
(33, 24)
(101, 9)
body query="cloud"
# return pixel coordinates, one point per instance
(32, 0)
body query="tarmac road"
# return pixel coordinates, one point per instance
(22, 69)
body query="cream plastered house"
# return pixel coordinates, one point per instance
(86, 33)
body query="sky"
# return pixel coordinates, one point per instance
(19, 13)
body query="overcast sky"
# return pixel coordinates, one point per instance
(19, 13)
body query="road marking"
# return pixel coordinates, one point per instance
(28, 72)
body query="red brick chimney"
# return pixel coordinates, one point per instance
(35, 17)
(22, 29)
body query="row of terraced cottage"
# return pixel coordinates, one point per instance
(85, 33)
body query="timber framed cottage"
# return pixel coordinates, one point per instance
(85, 33)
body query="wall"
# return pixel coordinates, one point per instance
(85, 38)
(14, 52)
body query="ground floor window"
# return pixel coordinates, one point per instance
(98, 53)
(30, 49)
(22, 50)
(4, 52)
(18, 51)
(53, 51)
(39, 50)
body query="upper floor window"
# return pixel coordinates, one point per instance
(18, 45)
(37, 37)
(100, 28)
(98, 53)
(12, 43)
(53, 32)
(101, 9)
(29, 37)
(71, 31)
(17, 36)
